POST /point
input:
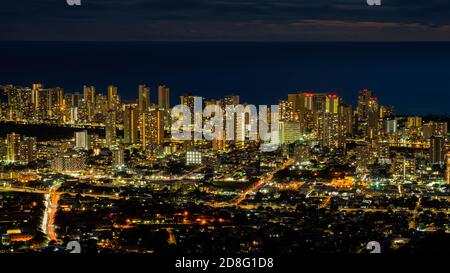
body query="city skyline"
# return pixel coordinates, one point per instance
(400, 73)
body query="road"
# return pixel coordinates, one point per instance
(31, 190)
(51, 208)
(262, 182)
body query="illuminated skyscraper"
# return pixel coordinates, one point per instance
(131, 124)
(89, 100)
(69, 163)
(152, 130)
(28, 149)
(286, 110)
(435, 128)
(82, 140)
(144, 98)
(437, 150)
(346, 119)
(51, 104)
(118, 158)
(163, 97)
(328, 132)
(414, 122)
(390, 126)
(89, 94)
(448, 168)
(110, 129)
(13, 147)
(112, 98)
(364, 99)
(101, 106)
(289, 131)
(332, 103)
(373, 119)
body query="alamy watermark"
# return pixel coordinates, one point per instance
(73, 2)
(229, 123)
(374, 2)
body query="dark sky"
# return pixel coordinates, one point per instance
(213, 20)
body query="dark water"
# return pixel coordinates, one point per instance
(414, 77)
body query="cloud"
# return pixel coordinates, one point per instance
(123, 19)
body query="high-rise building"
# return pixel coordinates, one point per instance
(286, 110)
(437, 150)
(118, 158)
(70, 163)
(89, 94)
(113, 98)
(328, 131)
(28, 148)
(332, 103)
(364, 99)
(152, 129)
(404, 167)
(373, 119)
(89, 102)
(163, 97)
(289, 131)
(414, 122)
(144, 98)
(13, 147)
(110, 129)
(131, 124)
(346, 119)
(82, 140)
(435, 128)
(50, 104)
(390, 126)
(189, 101)
(448, 168)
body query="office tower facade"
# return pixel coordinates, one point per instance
(332, 103)
(286, 110)
(373, 119)
(89, 102)
(12, 147)
(390, 126)
(144, 98)
(118, 158)
(131, 124)
(113, 98)
(110, 129)
(434, 128)
(28, 149)
(437, 150)
(448, 168)
(152, 130)
(69, 163)
(346, 119)
(364, 98)
(404, 167)
(328, 131)
(82, 140)
(50, 104)
(164, 97)
(289, 132)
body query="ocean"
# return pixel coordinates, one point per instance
(414, 77)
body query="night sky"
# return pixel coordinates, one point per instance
(217, 20)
